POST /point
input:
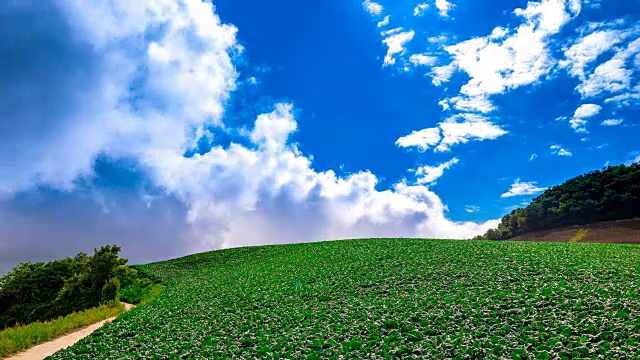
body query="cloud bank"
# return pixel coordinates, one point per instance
(145, 82)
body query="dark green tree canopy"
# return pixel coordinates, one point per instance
(43, 291)
(610, 194)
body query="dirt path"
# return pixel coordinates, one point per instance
(43, 350)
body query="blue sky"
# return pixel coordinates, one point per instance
(176, 126)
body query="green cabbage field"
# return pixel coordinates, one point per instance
(386, 298)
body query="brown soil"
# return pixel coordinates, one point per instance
(617, 232)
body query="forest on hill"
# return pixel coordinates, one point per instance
(601, 195)
(42, 291)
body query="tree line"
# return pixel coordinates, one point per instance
(610, 194)
(44, 291)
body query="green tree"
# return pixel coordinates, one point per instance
(43, 291)
(610, 194)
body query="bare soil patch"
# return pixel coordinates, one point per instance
(616, 232)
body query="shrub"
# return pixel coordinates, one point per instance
(110, 290)
(44, 291)
(137, 287)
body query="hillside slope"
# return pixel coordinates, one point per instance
(599, 196)
(615, 232)
(386, 299)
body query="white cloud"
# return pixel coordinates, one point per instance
(373, 8)
(576, 6)
(560, 151)
(442, 74)
(472, 209)
(265, 192)
(612, 122)
(440, 39)
(427, 175)
(533, 157)
(579, 125)
(499, 33)
(384, 22)
(422, 60)
(239, 186)
(420, 9)
(505, 59)
(471, 127)
(636, 160)
(628, 99)
(422, 139)
(609, 77)
(478, 104)
(580, 116)
(95, 67)
(457, 129)
(519, 188)
(444, 6)
(612, 76)
(585, 111)
(587, 49)
(396, 43)
(522, 58)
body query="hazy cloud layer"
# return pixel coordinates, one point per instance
(145, 81)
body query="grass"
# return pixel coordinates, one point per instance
(138, 287)
(142, 296)
(386, 298)
(18, 338)
(578, 236)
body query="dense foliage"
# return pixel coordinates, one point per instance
(386, 298)
(611, 194)
(138, 287)
(44, 291)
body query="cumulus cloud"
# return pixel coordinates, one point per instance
(372, 7)
(422, 139)
(310, 205)
(580, 116)
(612, 122)
(142, 81)
(635, 160)
(613, 76)
(422, 59)
(457, 129)
(420, 9)
(519, 188)
(396, 44)
(587, 49)
(442, 74)
(630, 98)
(478, 104)
(533, 157)
(609, 77)
(80, 97)
(560, 151)
(587, 111)
(384, 22)
(429, 174)
(444, 7)
(507, 59)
